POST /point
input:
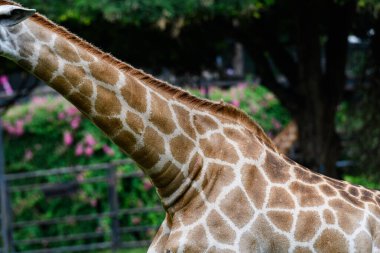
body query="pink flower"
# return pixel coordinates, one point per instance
(61, 115)
(28, 118)
(75, 122)
(136, 220)
(7, 86)
(79, 149)
(68, 138)
(90, 140)
(276, 124)
(28, 155)
(89, 151)
(93, 202)
(39, 100)
(72, 111)
(19, 128)
(203, 91)
(235, 103)
(147, 185)
(242, 85)
(108, 150)
(80, 177)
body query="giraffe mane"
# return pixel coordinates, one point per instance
(226, 111)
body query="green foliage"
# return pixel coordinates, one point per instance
(145, 11)
(50, 133)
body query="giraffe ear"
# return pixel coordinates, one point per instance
(11, 15)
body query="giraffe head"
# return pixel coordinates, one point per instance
(10, 15)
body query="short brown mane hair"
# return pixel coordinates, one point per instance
(220, 109)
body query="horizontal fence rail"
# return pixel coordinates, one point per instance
(101, 239)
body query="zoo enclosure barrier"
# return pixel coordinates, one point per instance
(110, 177)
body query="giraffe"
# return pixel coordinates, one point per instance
(222, 182)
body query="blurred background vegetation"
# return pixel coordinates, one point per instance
(316, 62)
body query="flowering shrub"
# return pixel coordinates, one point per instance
(51, 133)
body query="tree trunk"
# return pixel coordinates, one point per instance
(315, 74)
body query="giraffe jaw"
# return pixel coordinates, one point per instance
(11, 15)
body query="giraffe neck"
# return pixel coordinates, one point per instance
(139, 119)
(169, 133)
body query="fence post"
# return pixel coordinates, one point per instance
(6, 226)
(114, 206)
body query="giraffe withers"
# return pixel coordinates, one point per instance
(223, 184)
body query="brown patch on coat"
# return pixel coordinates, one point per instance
(181, 147)
(135, 122)
(254, 184)
(307, 176)
(302, 250)
(336, 183)
(280, 198)
(268, 237)
(74, 74)
(219, 229)
(307, 225)
(65, 50)
(110, 126)
(328, 190)
(172, 243)
(216, 178)
(125, 140)
(82, 102)
(154, 140)
(237, 208)
(85, 56)
(214, 249)
(146, 157)
(165, 176)
(177, 180)
(217, 147)
(248, 144)
(106, 102)
(183, 119)
(47, 64)
(204, 123)
(104, 72)
(61, 85)
(25, 64)
(160, 240)
(349, 218)
(307, 195)
(86, 88)
(353, 191)
(282, 220)
(363, 242)
(328, 216)
(375, 210)
(351, 199)
(161, 115)
(28, 45)
(249, 243)
(135, 94)
(190, 207)
(276, 169)
(198, 235)
(331, 240)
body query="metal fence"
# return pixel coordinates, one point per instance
(112, 239)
